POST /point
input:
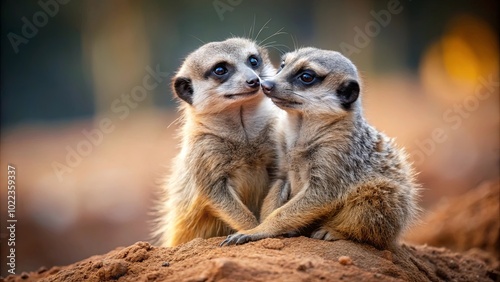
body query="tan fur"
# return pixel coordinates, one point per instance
(338, 174)
(221, 175)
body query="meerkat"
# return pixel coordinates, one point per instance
(338, 174)
(222, 173)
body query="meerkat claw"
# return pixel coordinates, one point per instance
(234, 239)
(242, 239)
(226, 241)
(319, 234)
(324, 234)
(239, 239)
(291, 234)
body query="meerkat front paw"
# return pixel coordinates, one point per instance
(326, 234)
(242, 238)
(291, 234)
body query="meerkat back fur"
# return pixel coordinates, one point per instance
(221, 175)
(337, 174)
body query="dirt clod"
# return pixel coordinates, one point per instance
(113, 269)
(345, 260)
(303, 266)
(273, 244)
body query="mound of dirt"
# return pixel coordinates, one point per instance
(287, 259)
(469, 221)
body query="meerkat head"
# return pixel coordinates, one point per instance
(222, 74)
(314, 81)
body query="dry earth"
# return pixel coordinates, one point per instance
(463, 223)
(280, 259)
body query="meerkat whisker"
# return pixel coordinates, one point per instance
(294, 41)
(252, 28)
(261, 29)
(279, 32)
(175, 121)
(202, 42)
(275, 46)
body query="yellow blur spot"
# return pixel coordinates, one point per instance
(451, 67)
(459, 60)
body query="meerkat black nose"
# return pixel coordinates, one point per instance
(253, 82)
(267, 86)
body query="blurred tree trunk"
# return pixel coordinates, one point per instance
(116, 48)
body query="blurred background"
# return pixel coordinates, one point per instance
(87, 112)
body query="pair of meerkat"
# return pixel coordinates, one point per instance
(335, 173)
(339, 178)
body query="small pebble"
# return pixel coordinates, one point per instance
(165, 264)
(97, 264)
(303, 266)
(345, 260)
(41, 270)
(453, 265)
(152, 276)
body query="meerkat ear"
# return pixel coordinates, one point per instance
(183, 88)
(348, 92)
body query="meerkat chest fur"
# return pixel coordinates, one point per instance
(236, 146)
(322, 149)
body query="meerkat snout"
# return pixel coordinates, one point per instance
(267, 86)
(253, 81)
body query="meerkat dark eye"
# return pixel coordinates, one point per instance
(220, 70)
(281, 66)
(254, 61)
(307, 78)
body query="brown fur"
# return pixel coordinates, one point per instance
(337, 172)
(221, 175)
